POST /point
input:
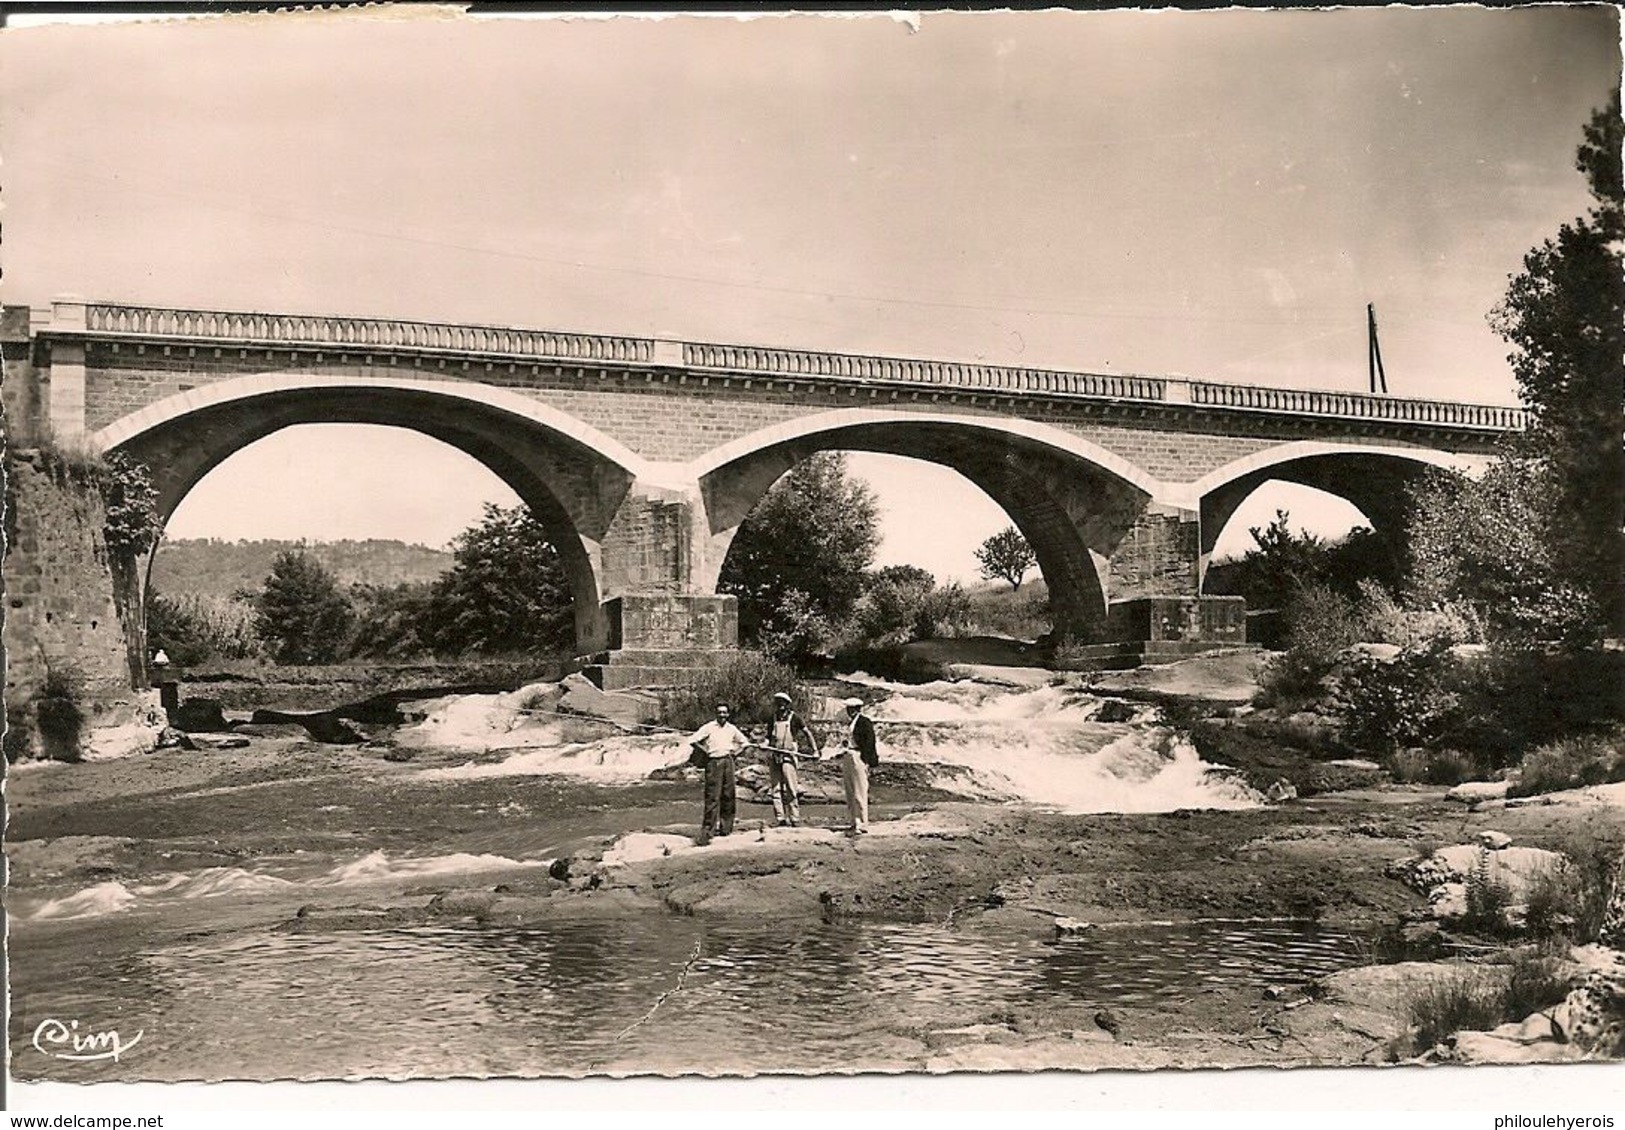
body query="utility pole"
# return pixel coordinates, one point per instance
(1378, 378)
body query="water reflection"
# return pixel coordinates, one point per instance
(572, 997)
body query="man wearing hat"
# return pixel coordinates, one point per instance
(788, 739)
(857, 758)
(717, 742)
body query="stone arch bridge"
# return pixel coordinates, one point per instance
(643, 455)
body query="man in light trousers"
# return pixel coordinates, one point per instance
(857, 758)
(788, 739)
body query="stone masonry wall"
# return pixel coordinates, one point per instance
(1158, 557)
(665, 419)
(60, 611)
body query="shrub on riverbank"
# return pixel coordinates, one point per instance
(1477, 999)
(747, 684)
(1570, 763)
(1418, 766)
(58, 716)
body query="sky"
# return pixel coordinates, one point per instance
(1216, 194)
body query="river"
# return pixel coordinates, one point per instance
(213, 972)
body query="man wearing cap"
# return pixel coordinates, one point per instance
(857, 758)
(718, 741)
(788, 739)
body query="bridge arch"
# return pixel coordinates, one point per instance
(1373, 479)
(571, 476)
(1072, 499)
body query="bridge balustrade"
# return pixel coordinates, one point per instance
(263, 330)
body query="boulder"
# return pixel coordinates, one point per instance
(1494, 841)
(1335, 776)
(1444, 876)
(1072, 927)
(1592, 1017)
(106, 743)
(1283, 790)
(171, 738)
(213, 742)
(1612, 933)
(581, 697)
(199, 715)
(637, 847)
(1506, 1045)
(272, 730)
(1381, 652)
(1115, 710)
(332, 730)
(1477, 792)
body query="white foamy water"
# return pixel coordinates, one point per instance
(614, 761)
(474, 723)
(373, 869)
(1035, 744)
(92, 902)
(970, 701)
(377, 867)
(1041, 746)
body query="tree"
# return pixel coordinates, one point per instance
(393, 621)
(506, 591)
(1488, 544)
(890, 608)
(814, 532)
(1564, 317)
(1006, 555)
(301, 612)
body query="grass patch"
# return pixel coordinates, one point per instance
(1430, 766)
(1480, 998)
(1571, 763)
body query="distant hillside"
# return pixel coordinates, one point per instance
(220, 568)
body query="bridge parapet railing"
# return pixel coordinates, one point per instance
(1352, 405)
(361, 333)
(795, 363)
(271, 330)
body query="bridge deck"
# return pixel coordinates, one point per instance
(367, 336)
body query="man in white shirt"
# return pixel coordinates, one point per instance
(719, 741)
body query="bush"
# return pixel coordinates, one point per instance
(393, 621)
(1478, 999)
(904, 604)
(1468, 1000)
(890, 609)
(19, 739)
(795, 632)
(1021, 615)
(1412, 700)
(59, 717)
(1570, 763)
(1572, 901)
(1418, 766)
(301, 612)
(944, 613)
(196, 628)
(1517, 698)
(747, 684)
(1321, 624)
(1383, 619)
